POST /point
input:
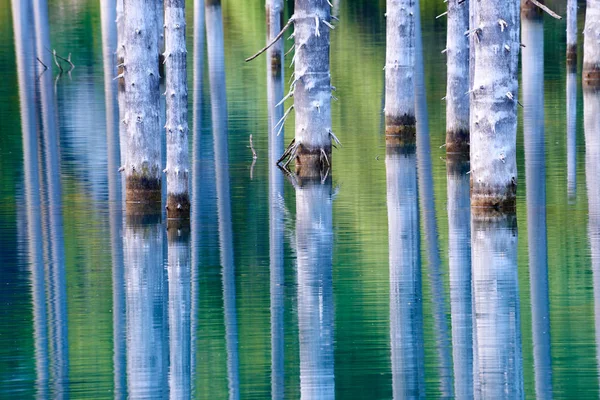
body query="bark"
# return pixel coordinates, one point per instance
(399, 70)
(120, 20)
(406, 307)
(499, 363)
(179, 273)
(177, 171)
(572, 32)
(146, 317)
(427, 204)
(459, 266)
(591, 115)
(591, 45)
(141, 80)
(22, 14)
(457, 86)
(314, 242)
(312, 87)
(494, 105)
(572, 134)
(532, 62)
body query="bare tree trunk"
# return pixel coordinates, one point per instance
(572, 32)
(406, 304)
(457, 87)
(497, 327)
(312, 86)
(120, 20)
(274, 9)
(459, 266)
(399, 70)
(572, 133)
(141, 79)
(494, 105)
(177, 171)
(314, 241)
(180, 350)
(532, 62)
(591, 45)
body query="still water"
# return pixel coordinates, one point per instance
(372, 283)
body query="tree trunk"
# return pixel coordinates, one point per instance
(399, 70)
(459, 266)
(314, 242)
(532, 62)
(572, 32)
(497, 329)
(177, 171)
(406, 308)
(146, 315)
(457, 87)
(120, 19)
(591, 45)
(494, 105)
(179, 272)
(274, 10)
(312, 87)
(141, 79)
(572, 133)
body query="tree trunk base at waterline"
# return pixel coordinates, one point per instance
(496, 199)
(312, 163)
(591, 76)
(457, 164)
(403, 128)
(572, 55)
(458, 141)
(143, 195)
(178, 206)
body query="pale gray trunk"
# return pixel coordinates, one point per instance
(26, 63)
(314, 242)
(145, 295)
(180, 291)
(312, 86)
(494, 104)
(497, 327)
(399, 70)
(572, 32)
(532, 62)
(161, 28)
(457, 86)
(459, 266)
(591, 44)
(591, 115)
(109, 48)
(572, 134)
(141, 80)
(406, 299)
(274, 10)
(177, 171)
(120, 19)
(427, 204)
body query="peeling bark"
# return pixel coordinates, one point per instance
(399, 69)
(494, 105)
(591, 45)
(177, 171)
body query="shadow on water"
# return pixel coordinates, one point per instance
(532, 61)
(498, 363)
(406, 304)
(314, 244)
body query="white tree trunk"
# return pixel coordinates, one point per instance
(494, 105)
(532, 62)
(572, 32)
(459, 266)
(145, 296)
(312, 87)
(274, 10)
(314, 242)
(177, 171)
(591, 44)
(399, 70)
(497, 328)
(457, 86)
(180, 290)
(572, 133)
(141, 79)
(406, 308)
(120, 19)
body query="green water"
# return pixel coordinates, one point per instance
(88, 261)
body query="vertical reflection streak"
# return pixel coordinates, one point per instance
(572, 131)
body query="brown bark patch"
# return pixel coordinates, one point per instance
(276, 64)
(458, 164)
(143, 195)
(493, 219)
(402, 129)
(458, 141)
(312, 163)
(178, 206)
(572, 57)
(212, 3)
(530, 11)
(591, 76)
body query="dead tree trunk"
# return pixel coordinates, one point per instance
(457, 86)
(591, 45)
(177, 171)
(141, 79)
(120, 19)
(400, 122)
(274, 9)
(572, 32)
(494, 104)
